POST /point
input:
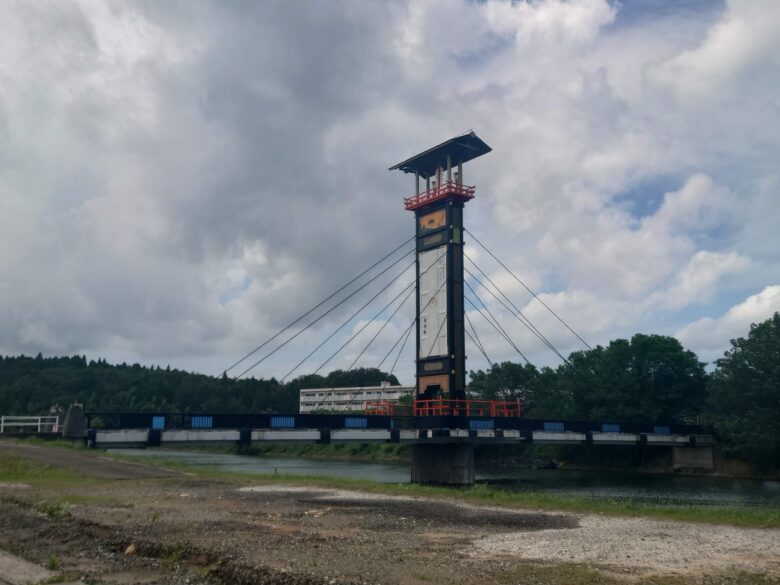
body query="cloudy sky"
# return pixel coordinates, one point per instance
(178, 180)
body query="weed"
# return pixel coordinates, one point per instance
(54, 510)
(173, 553)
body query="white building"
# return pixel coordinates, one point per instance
(349, 399)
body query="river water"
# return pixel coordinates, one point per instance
(655, 489)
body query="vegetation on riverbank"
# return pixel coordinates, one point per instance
(17, 470)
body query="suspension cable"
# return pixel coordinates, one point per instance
(497, 326)
(479, 347)
(527, 323)
(400, 351)
(493, 367)
(495, 322)
(478, 341)
(362, 351)
(390, 318)
(387, 355)
(433, 264)
(520, 315)
(528, 289)
(333, 308)
(318, 305)
(344, 324)
(363, 328)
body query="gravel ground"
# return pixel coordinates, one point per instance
(648, 546)
(184, 529)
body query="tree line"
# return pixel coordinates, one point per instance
(649, 378)
(31, 385)
(653, 378)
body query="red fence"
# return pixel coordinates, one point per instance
(439, 192)
(445, 407)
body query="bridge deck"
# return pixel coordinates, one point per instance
(172, 428)
(142, 437)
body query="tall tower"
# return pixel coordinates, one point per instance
(438, 210)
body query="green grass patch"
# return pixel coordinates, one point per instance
(14, 469)
(54, 510)
(77, 444)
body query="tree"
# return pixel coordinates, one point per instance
(744, 400)
(504, 381)
(535, 389)
(651, 378)
(359, 377)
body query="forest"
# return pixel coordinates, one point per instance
(648, 378)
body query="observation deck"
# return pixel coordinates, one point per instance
(437, 192)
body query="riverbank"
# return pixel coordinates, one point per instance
(192, 526)
(634, 460)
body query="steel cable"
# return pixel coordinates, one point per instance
(318, 305)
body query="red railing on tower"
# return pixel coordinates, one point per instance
(439, 191)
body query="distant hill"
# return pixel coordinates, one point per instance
(31, 385)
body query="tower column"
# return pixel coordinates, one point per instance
(441, 352)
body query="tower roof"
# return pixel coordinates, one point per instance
(462, 148)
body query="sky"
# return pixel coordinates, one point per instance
(181, 179)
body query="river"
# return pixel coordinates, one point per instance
(653, 489)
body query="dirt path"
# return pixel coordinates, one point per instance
(91, 465)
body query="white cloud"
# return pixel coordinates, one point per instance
(711, 335)
(745, 38)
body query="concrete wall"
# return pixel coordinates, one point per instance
(693, 458)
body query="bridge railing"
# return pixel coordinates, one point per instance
(29, 424)
(446, 407)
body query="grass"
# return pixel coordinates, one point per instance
(77, 444)
(13, 469)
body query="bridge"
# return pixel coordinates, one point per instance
(446, 424)
(443, 444)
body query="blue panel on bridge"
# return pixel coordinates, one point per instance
(355, 422)
(480, 425)
(282, 422)
(609, 428)
(158, 422)
(553, 427)
(202, 422)
(662, 430)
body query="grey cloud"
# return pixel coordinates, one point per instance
(179, 179)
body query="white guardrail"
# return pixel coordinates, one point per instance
(29, 424)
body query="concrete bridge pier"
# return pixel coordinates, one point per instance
(443, 464)
(695, 458)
